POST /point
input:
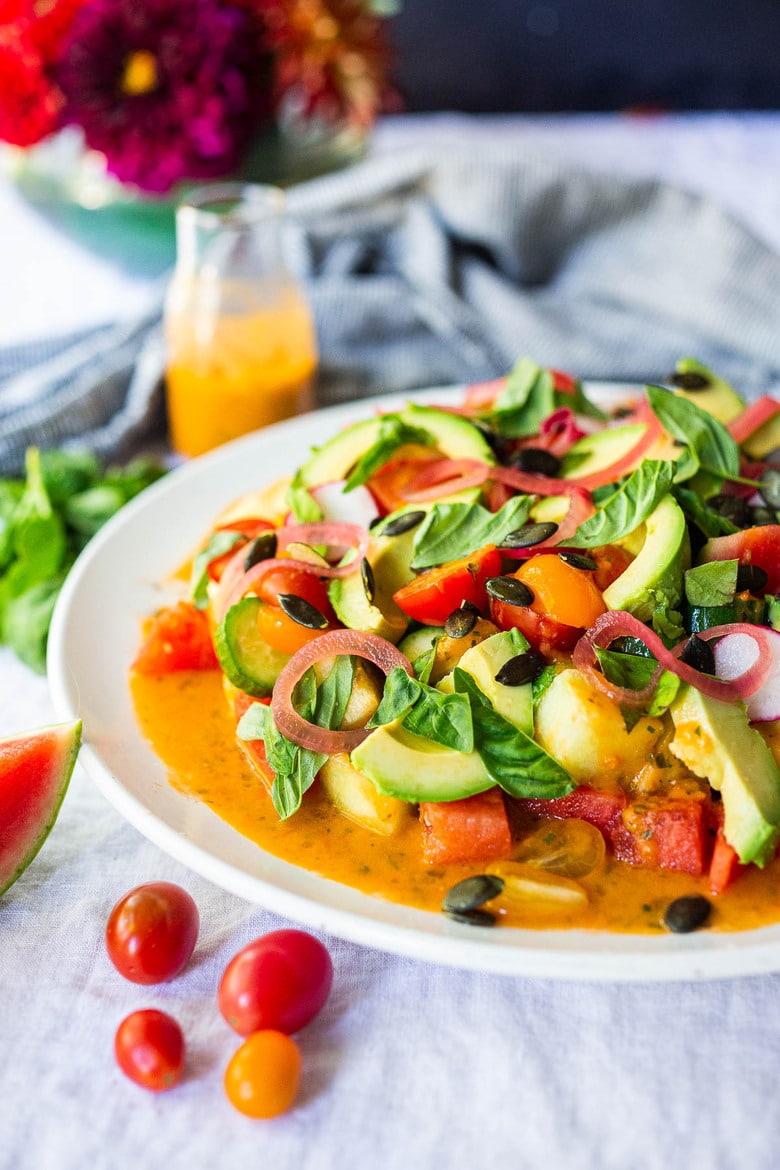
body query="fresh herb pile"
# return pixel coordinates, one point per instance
(45, 521)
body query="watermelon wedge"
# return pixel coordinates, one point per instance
(35, 769)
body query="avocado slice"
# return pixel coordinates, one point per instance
(390, 559)
(715, 740)
(601, 449)
(483, 662)
(454, 436)
(717, 398)
(411, 768)
(656, 573)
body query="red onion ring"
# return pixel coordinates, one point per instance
(320, 739)
(617, 623)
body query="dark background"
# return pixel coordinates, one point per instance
(512, 55)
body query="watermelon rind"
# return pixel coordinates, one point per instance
(65, 740)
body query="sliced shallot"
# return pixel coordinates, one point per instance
(329, 645)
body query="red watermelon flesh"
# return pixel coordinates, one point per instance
(35, 769)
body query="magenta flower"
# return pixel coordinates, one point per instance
(166, 89)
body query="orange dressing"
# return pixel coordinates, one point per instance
(206, 764)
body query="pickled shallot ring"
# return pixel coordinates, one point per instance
(331, 533)
(617, 624)
(329, 645)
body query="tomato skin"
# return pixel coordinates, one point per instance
(543, 633)
(431, 597)
(280, 632)
(151, 932)
(566, 601)
(280, 981)
(388, 484)
(149, 1049)
(264, 1074)
(177, 638)
(299, 582)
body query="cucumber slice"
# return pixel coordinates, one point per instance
(248, 662)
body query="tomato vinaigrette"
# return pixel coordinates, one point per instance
(517, 662)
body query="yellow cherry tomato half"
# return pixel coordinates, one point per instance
(263, 1075)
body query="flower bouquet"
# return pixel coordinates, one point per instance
(152, 95)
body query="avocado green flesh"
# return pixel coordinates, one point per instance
(248, 662)
(655, 576)
(602, 449)
(455, 437)
(483, 662)
(412, 768)
(715, 740)
(718, 399)
(390, 559)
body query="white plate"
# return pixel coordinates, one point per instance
(94, 637)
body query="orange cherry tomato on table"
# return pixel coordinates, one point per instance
(177, 638)
(566, 602)
(432, 596)
(280, 981)
(264, 1074)
(149, 1049)
(151, 932)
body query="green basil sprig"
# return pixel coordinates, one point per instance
(452, 531)
(435, 716)
(393, 433)
(628, 507)
(709, 448)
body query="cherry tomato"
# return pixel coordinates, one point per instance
(280, 981)
(177, 638)
(611, 562)
(753, 546)
(263, 1075)
(149, 1049)
(545, 635)
(432, 596)
(566, 601)
(280, 632)
(299, 582)
(151, 932)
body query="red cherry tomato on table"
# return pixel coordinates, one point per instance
(431, 597)
(280, 981)
(149, 1049)
(263, 1076)
(152, 931)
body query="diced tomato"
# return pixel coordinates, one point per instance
(754, 546)
(177, 638)
(599, 808)
(280, 632)
(431, 597)
(566, 601)
(388, 484)
(301, 584)
(664, 833)
(563, 383)
(725, 865)
(456, 832)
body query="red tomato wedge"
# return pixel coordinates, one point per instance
(177, 638)
(431, 597)
(754, 546)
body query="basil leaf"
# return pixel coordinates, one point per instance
(423, 664)
(444, 719)
(399, 696)
(525, 402)
(218, 544)
(628, 507)
(393, 433)
(667, 623)
(301, 502)
(634, 671)
(542, 682)
(706, 519)
(712, 584)
(452, 531)
(709, 444)
(26, 620)
(512, 759)
(334, 692)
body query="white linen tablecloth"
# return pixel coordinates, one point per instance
(410, 1065)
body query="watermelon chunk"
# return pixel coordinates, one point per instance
(35, 769)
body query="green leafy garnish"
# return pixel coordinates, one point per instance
(667, 622)
(393, 433)
(529, 397)
(301, 502)
(714, 583)
(452, 531)
(512, 759)
(441, 718)
(45, 521)
(628, 507)
(296, 767)
(698, 512)
(218, 544)
(709, 448)
(634, 672)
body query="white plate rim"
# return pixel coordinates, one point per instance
(163, 815)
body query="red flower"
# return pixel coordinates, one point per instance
(29, 104)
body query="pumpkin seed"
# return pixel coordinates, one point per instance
(537, 461)
(759, 517)
(509, 590)
(302, 611)
(733, 508)
(472, 917)
(403, 523)
(751, 577)
(461, 621)
(698, 654)
(521, 669)
(472, 892)
(529, 535)
(578, 561)
(367, 577)
(686, 914)
(689, 381)
(770, 486)
(262, 548)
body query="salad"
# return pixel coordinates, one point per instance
(525, 650)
